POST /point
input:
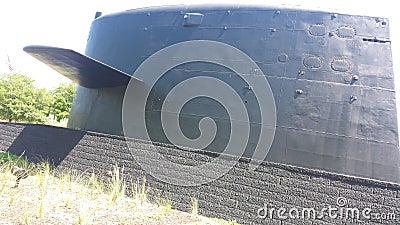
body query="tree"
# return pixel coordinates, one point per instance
(21, 101)
(62, 101)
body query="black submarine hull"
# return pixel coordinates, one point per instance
(330, 74)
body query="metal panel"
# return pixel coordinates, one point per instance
(192, 19)
(81, 69)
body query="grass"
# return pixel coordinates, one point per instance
(49, 196)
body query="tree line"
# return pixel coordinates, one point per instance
(21, 101)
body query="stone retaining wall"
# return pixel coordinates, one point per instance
(238, 195)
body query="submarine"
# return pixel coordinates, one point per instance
(300, 87)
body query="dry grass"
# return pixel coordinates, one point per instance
(70, 198)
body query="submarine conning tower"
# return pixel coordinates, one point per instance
(330, 74)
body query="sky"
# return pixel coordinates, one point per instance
(66, 24)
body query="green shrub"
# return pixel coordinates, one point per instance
(6, 157)
(8, 160)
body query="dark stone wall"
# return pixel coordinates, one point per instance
(238, 195)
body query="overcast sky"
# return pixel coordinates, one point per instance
(66, 24)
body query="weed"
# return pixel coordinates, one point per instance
(66, 181)
(66, 201)
(12, 197)
(164, 207)
(84, 214)
(168, 206)
(80, 220)
(117, 186)
(195, 205)
(139, 190)
(44, 174)
(95, 184)
(27, 217)
(40, 209)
